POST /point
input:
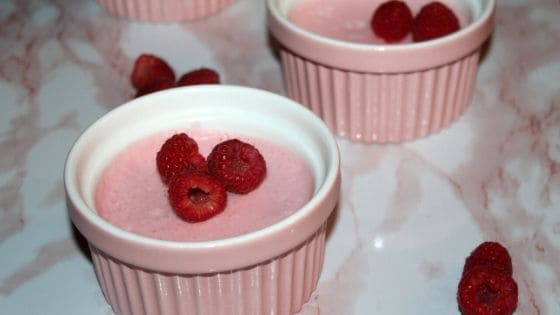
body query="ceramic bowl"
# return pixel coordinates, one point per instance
(380, 93)
(164, 10)
(269, 271)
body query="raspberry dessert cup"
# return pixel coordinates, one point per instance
(383, 93)
(269, 271)
(164, 10)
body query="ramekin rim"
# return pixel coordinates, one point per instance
(472, 27)
(331, 177)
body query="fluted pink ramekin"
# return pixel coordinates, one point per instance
(382, 93)
(164, 10)
(270, 271)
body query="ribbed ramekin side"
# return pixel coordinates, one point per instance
(279, 286)
(382, 107)
(164, 10)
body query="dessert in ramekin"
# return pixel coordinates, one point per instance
(379, 93)
(164, 10)
(272, 270)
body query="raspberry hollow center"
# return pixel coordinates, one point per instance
(198, 196)
(486, 295)
(240, 166)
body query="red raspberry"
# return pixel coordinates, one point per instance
(392, 21)
(199, 76)
(434, 20)
(178, 154)
(485, 291)
(238, 165)
(196, 196)
(154, 87)
(491, 254)
(151, 71)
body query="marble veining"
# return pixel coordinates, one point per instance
(408, 215)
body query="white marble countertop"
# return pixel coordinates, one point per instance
(408, 214)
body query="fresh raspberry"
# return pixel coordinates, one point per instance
(491, 254)
(485, 291)
(199, 76)
(238, 165)
(434, 20)
(154, 87)
(151, 71)
(196, 196)
(392, 21)
(178, 154)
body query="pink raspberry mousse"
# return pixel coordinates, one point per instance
(131, 195)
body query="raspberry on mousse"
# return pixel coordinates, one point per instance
(196, 196)
(177, 154)
(392, 21)
(433, 21)
(238, 165)
(197, 186)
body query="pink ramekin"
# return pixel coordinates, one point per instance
(164, 10)
(382, 93)
(270, 271)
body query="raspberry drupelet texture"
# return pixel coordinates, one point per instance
(434, 20)
(485, 291)
(392, 21)
(491, 254)
(154, 87)
(238, 165)
(199, 76)
(179, 153)
(151, 72)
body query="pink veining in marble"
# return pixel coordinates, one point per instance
(250, 65)
(408, 214)
(48, 255)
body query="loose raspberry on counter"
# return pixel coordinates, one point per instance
(491, 254)
(150, 72)
(196, 196)
(485, 291)
(238, 165)
(154, 87)
(486, 286)
(433, 21)
(179, 153)
(199, 76)
(392, 21)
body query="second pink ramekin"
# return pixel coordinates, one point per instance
(382, 93)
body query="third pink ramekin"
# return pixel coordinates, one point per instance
(164, 10)
(382, 93)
